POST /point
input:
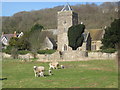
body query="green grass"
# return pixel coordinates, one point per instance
(77, 74)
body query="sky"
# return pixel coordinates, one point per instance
(10, 8)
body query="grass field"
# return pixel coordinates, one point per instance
(77, 74)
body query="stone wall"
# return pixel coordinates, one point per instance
(68, 56)
(77, 56)
(4, 55)
(74, 55)
(100, 55)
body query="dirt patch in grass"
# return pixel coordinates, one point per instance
(70, 66)
(83, 78)
(75, 87)
(83, 65)
(55, 80)
(74, 66)
(103, 69)
(92, 85)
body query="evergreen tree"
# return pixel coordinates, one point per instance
(75, 37)
(112, 35)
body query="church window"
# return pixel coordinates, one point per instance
(65, 47)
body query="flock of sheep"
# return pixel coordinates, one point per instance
(39, 70)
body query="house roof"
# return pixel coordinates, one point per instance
(53, 41)
(96, 34)
(8, 36)
(49, 34)
(85, 34)
(67, 7)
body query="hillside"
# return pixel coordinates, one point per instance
(92, 15)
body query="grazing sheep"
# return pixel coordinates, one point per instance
(62, 66)
(39, 71)
(41, 74)
(50, 72)
(53, 65)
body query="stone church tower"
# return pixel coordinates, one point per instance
(66, 18)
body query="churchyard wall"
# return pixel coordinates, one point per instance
(68, 56)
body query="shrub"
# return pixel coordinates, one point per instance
(23, 52)
(14, 53)
(110, 50)
(7, 50)
(46, 51)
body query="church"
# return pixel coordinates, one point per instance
(65, 19)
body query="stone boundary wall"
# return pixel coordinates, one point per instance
(74, 55)
(67, 56)
(98, 55)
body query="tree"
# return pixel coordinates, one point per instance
(88, 13)
(112, 35)
(35, 38)
(13, 44)
(20, 43)
(36, 27)
(13, 41)
(23, 43)
(75, 37)
(16, 44)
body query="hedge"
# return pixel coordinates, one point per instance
(110, 50)
(46, 51)
(23, 52)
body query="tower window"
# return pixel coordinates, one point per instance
(65, 22)
(65, 47)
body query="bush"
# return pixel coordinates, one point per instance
(46, 51)
(110, 50)
(7, 50)
(14, 53)
(23, 52)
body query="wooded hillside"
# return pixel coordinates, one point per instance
(92, 15)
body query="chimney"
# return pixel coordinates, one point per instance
(15, 35)
(2, 33)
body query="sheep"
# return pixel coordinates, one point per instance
(41, 74)
(50, 72)
(39, 71)
(53, 65)
(62, 66)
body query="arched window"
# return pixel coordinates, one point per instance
(65, 47)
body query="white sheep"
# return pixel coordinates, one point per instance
(53, 65)
(39, 71)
